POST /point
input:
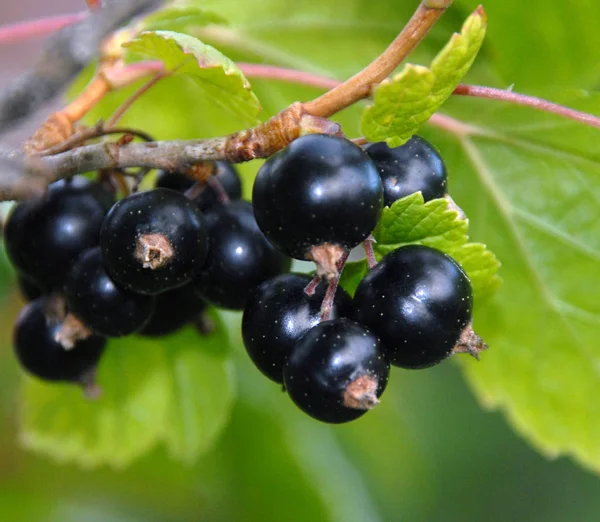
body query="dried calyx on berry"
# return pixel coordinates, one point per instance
(154, 241)
(40, 355)
(318, 198)
(337, 371)
(419, 301)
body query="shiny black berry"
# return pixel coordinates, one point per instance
(29, 290)
(153, 241)
(225, 174)
(337, 371)
(413, 167)
(106, 308)
(278, 313)
(173, 310)
(320, 189)
(44, 236)
(240, 257)
(42, 356)
(418, 301)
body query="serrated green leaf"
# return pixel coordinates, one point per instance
(217, 76)
(529, 182)
(404, 103)
(180, 18)
(412, 221)
(178, 390)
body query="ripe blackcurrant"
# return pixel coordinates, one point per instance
(29, 290)
(240, 257)
(337, 371)
(413, 167)
(225, 174)
(44, 236)
(319, 190)
(103, 306)
(173, 310)
(153, 241)
(278, 313)
(418, 301)
(42, 356)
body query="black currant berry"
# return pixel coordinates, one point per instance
(29, 290)
(418, 301)
(240, 257)
(103, 306)
(319, 190)
(42, 356)
(44, 236)
(173, 310)
(153, 241)
(278, 313)
(413, 167)
(337, 371)
(225, 174)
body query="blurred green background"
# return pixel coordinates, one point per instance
(428, 452)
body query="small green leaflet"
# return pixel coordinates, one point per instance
(217, 76)
(184, 19)
(177, 390)
(404, 103)
(412, 221)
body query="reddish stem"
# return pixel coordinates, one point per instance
(315, 80)
(312, 286)
(368, 245)
(259, 70)
(327, 304)
(118, 114)
(527, 101)
(216, 185)
(40, 27)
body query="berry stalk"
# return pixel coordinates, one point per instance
(329, 298)
(359, 86)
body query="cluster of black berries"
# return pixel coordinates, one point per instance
(316, 200)
(148, 264)
(151, 262)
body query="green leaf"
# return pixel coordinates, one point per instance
(412, 221)
(183, 19)
(404, 103)
(352, 275)
(530, 183)
(545, 43)
(178, 390)
(201, 393)
(218, 78)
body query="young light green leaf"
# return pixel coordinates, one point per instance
(352, 274)
(177, 390)
(216, 75)
(412, 221)
(404, 103)
(183, 19)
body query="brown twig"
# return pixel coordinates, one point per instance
(91, 133)
(359, 86)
